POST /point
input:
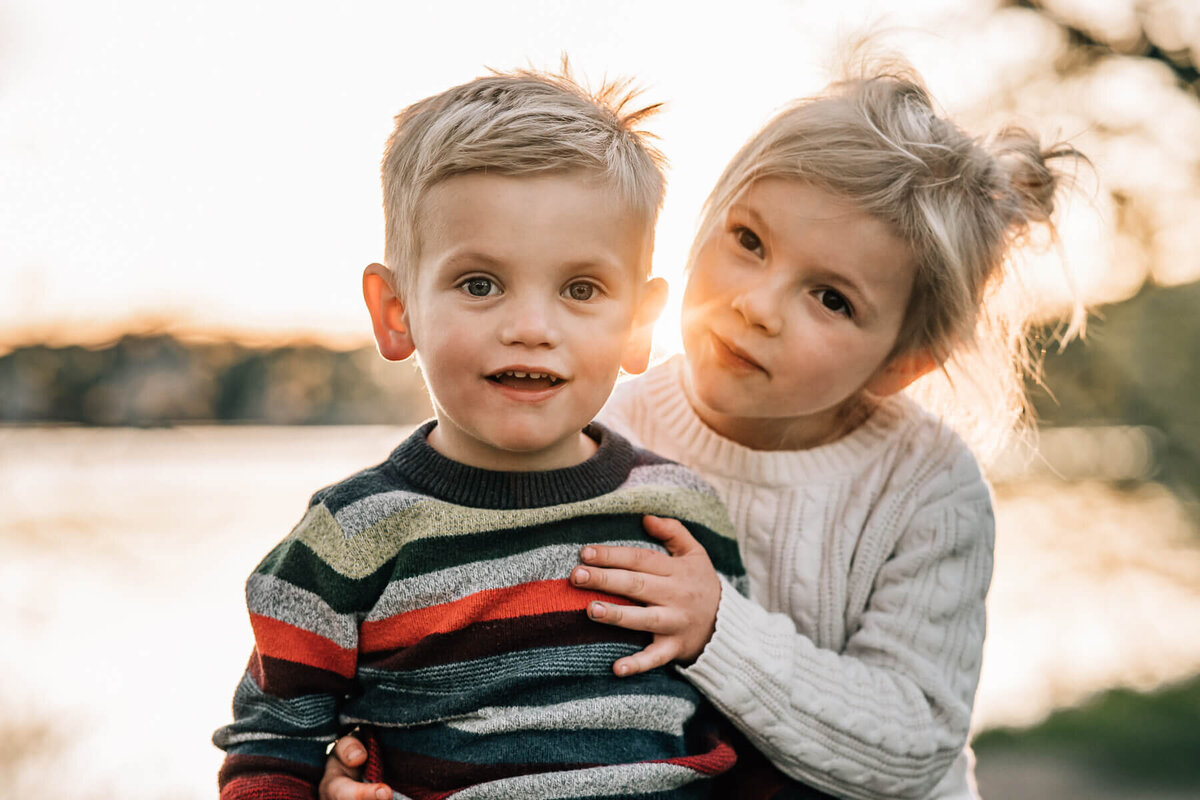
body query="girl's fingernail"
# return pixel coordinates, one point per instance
(383, 794)
(589, 552)
(597, 610)
(580, 575)
(355, 753)
(622, 669)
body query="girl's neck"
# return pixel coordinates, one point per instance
(787, 433)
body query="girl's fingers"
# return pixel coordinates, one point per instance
(636, 559)
(671, 532)
(633, 585)
(635, 618)
(660, 651)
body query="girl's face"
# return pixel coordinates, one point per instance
(794, 302)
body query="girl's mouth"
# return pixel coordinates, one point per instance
(731, 355)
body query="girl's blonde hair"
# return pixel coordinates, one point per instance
(961, 203)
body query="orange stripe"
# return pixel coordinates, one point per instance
(288, 643)
(525, 599)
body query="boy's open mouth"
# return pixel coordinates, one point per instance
(527, 381)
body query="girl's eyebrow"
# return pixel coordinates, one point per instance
(839, 280)
(750, 211)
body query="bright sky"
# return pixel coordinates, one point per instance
(214, 166)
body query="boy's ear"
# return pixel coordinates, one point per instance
(388, 318)
(902, 370)
(636, 355)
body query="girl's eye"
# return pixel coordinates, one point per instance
(478, 287)
(748, 240)
(581, 291)
(836, 301)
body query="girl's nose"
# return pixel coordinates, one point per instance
(759, 305)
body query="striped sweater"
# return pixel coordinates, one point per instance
(430, 602)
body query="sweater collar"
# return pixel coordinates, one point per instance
(432, 473)
(717, 455)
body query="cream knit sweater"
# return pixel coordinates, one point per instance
(854, 664)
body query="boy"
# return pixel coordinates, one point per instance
(427, 598)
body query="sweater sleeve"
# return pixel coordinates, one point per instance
(285, 709)
(886, 716)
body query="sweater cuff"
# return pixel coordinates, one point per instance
(268, 787)
(739, 631)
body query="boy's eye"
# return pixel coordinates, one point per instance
(748, 240)
(836, 301)
(478, 287)
(581, 291)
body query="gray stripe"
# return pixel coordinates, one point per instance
(630, 779)
(362, 514)
(553, 562)
(276, 598)
(643, 711)
(667, 475)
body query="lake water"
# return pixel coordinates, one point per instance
(123, 554)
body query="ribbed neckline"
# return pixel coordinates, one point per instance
(716, 455)
(431, 472)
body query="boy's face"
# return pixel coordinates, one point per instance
(528, 296)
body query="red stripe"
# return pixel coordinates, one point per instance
(289, 643)
(720, 759)
(522, 600)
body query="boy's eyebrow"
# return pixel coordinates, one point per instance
(472, 258)
(477, 259)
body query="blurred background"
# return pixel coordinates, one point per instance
(188, 194)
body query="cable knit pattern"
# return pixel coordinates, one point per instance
(853, 665)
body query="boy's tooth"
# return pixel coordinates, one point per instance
(519, 374)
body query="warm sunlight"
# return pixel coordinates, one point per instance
(189, 194)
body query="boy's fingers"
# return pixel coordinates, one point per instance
(657, 653)
(636, 559)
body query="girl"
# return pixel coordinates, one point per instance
(855, 244)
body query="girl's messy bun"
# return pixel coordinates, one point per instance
(1032, 173)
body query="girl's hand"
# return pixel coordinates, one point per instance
(680, 593)
(343, 773)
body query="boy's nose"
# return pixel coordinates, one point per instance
(759, 305)
(531, 324)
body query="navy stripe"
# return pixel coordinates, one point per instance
(496, 637)
(560, 749)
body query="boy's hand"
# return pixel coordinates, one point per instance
(342, 774)
(680, 593)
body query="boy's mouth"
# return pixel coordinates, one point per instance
(529, 381)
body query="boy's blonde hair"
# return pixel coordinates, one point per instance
(961, 203)
(518, 123)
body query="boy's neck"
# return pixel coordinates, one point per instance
(455, 445)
